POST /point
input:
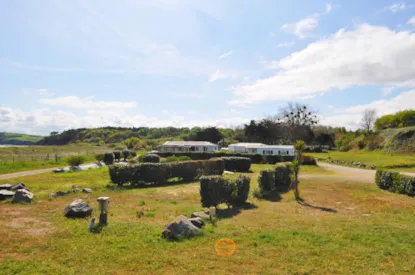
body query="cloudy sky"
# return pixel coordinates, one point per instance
(70, 64)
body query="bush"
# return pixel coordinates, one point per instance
(308, 160)
(117, 155)
(215, 190)
(133, 153)
(238, 164)
(151, 158)
(75, 160)
(283, 176)
(266, 181)
(395, 182)
(171, 159)
(99, 157)
(158, 173)
(126, 154)
(108, 158)
(132, 161)
(183, 158)
(273, 159)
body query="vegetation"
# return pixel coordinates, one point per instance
(18, 139)
(150, 158)
(238, 164)
(400, 119)
(395, 182)
(109, 158)
(74, 161)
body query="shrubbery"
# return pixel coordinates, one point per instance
(266, 181)
(158, 173)
(126, 154)
(238, 164)
(75, 160)
(99, 157)
(395, 182)
(150, 158)
(117, 155)
(215, 190)
(277, 179)
(255, 158)
(109, 158)
(174, 158)
(308, 160)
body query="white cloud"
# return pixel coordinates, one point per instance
(286, 44)
(43, 121)
(368, 55)
(303, 27)
(38, 91)
(387, 90)
(350, 117)
(219, 74)
(225, 54)
(412, 21)
(396, 7)
(87, 103)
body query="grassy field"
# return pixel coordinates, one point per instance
(397, 162)
(14, 138)
(345, 227)
(15, 159)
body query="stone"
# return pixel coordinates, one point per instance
(78, 209)
(198, 222)
(23, 196)
(62, 193)
(201, 214)
(52, 196)
(5, 186)
(18, 186)
(6, 194)
(76, 189)
(58, 170)
(183, 228)
(87, 190)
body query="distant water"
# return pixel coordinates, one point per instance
(11, 145)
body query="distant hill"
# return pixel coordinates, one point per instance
(400, 140)
(18, 139)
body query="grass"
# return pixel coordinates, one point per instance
(396, 162)
(16, 159)
(345, 227)
(14, 138)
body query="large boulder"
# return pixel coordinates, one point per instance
(18, 186)
(6, 194)
(78, 209)
(201, 214)
(23, 196)
(5, 186)
(198, 222)
(183, 228)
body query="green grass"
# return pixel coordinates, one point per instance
(14, 138)
(16, 159)
(398, 162)
(367, 231)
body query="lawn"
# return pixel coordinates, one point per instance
(345, 227)
(15, 159)
(397, 162)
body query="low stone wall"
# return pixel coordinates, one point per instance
(356, 164)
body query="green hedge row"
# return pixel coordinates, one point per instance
(238, 164)
(277, 179)
(159, 173)
(150, 158)
(255, 158)
(215, 190)
(395, 182)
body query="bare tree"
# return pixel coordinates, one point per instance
(368, 119)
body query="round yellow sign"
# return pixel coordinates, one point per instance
(225, 247)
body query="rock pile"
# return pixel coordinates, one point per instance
(75, 189)
(184, 227)
(19, 192)
(349, 163)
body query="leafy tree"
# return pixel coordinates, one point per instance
(75, 160)
(211, 134)
(132, 143)
(385, 122)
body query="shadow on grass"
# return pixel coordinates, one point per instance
(325, 209)
(233, 211)
(97, 228)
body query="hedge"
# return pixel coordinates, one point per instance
(108, 158)
(255, 158)
(215, 190)
(150, 158)
(238, 164)
(117, 155)
(277, 179)
(159, 173)
(126, 154)
(308, 160)
(395, 182)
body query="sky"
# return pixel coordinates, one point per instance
(184, 63)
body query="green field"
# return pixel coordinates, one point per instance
(397, 162)
(15, 159)
(346, 227)
(18, 139)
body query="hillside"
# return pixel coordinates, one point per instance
(399, 140)
(18, 139)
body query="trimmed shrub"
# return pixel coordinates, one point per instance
(126, 154)
(283, 176)
(266, 181)
(117, 155)
(151, 158)
(159, 173)
(273, 159)
(395, 182)
(75, 160)
(308, 160)
(108, 158)
(215, 190)
(238, 164)
(241, 190)
(132, 161)
(133, 153)
(99, 157)
(171, 159)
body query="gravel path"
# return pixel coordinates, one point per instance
(25, 173)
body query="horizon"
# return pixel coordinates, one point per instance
(179, 63)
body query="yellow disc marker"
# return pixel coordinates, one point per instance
(225, 247)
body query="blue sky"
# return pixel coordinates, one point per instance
(70, 64)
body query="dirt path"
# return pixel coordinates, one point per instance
(25, 173)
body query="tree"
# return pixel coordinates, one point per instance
(211, 134)
(299, 147)
(368, 119)
(132, 143)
